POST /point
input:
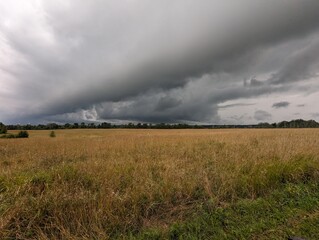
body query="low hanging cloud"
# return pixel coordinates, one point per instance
(261, 115)
(301, 66)
(235, 105)
(151, 61)
(283, 104)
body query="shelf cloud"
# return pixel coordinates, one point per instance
(157, 61)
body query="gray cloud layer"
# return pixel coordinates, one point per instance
(261, 115)
(151, 61)
(283, 104)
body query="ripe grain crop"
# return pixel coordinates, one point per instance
(153, 184)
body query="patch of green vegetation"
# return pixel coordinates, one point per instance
(9, 135)
(52, 134)
(21, 134)
(257, 180)
(291, 211)
(39, 183)
(73, 177)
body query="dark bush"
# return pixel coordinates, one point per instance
(3, 128)
(22, 134)
(52, 134)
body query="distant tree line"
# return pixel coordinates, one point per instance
(299, 123)
(103, 125)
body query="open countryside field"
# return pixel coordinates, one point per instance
(160, 184)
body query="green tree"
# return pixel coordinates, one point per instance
(22, 134)
(3, 128)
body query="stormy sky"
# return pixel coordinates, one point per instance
(208, 61)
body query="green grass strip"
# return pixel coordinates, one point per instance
(291, 211)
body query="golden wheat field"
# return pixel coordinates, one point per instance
(134, 184)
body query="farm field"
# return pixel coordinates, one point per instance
(160, 184)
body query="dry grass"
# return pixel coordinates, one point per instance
(101, 184)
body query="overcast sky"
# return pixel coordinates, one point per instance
(208, 61)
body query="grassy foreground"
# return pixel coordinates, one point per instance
(160, 184)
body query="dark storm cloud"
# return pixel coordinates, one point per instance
(196, 101)
(262, 115)
(255, 83)
(283, 104)
(167, 102)
(160, 108)
(301, 66)
(151, 61)
(236, 105)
